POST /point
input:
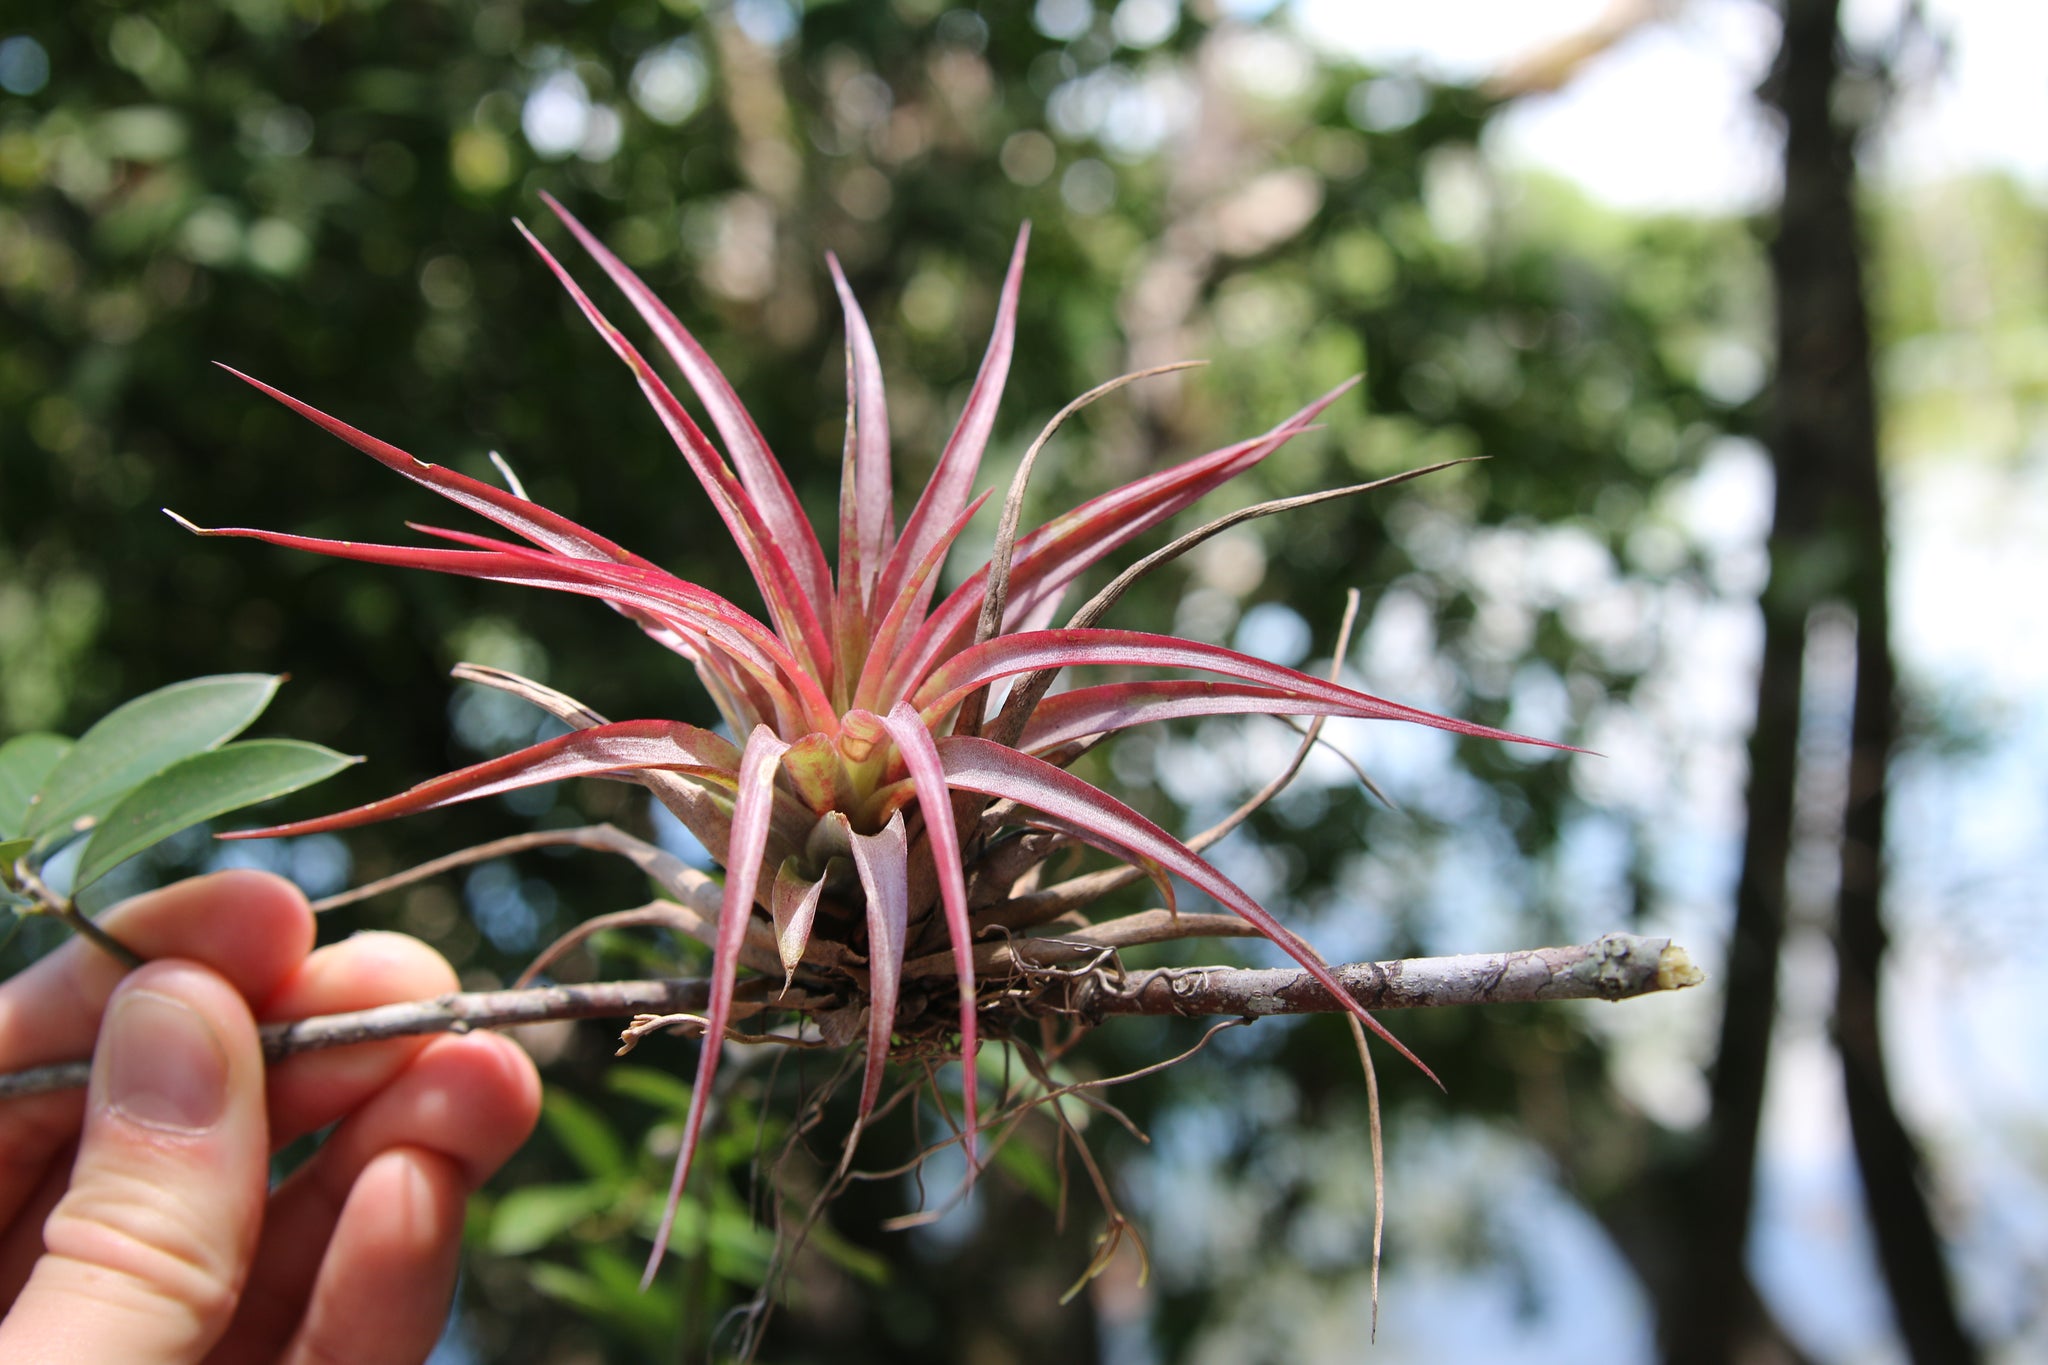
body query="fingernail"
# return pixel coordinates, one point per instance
(166, 1069)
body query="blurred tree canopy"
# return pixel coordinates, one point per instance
(317, 192)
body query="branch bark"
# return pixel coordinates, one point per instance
(1613, 967)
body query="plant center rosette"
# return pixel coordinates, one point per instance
(868, 809)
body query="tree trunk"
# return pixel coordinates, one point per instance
(1908, 1246)
(1827, 544)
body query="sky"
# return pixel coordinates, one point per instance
(1666, 119)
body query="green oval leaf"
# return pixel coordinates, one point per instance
(651, 1319)
(199, 788)
(25, 764)
(573, 1288)
(649, 1086)
(532, 1216)
(585, 1134)
(143, 737)
(10, 849)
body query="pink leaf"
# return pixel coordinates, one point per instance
(1084, 711)
(874, 518)
(851, 614)
(751, 817)
(515, 514)
(1052, 556)
(883, 862)
(920, 756)
(794, 908)
(1097, 818)
(953, 478)
(623, 747)
(649, 590)
(1007, 655)
(758, 470)
(788, 604)
(882, 647)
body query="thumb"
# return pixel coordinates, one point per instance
(145, 1255)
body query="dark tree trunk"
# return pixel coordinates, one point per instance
(1824, 339)
(1908, 1247)
(1710, 1311)
(1707, 1324)
(1827, 544)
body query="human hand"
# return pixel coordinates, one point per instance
(136, 1220)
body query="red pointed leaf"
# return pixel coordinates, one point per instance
(850, 608)
(874, 517)
(676, 596)
(645, 589)
(794, 907)
(1084, 711)
(1052, 556)
(623, 747)
(914, 742)
(1007, 655)
(514, 513)
(883, 646)
(752, 814)
(789, 606)
(953, 478)
(758, 469)
(883, 862)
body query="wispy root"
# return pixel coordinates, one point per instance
(1379, 1160)
(797, 1218)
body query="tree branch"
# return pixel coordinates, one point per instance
(1613, 967)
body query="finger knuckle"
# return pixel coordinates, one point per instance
(149, 1245)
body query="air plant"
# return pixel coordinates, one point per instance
(871, 802)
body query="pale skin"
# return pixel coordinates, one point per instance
(136, 1222)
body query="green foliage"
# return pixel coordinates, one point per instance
(569, 1234)
(141, 738)
(584, 1135)
(667, 1093)
(26, 762)
(152, 768)
(532, 1216)
(199, 788)
(607, 1288)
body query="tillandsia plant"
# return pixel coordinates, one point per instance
(877, 815)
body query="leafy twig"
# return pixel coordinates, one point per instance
(80, 923)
